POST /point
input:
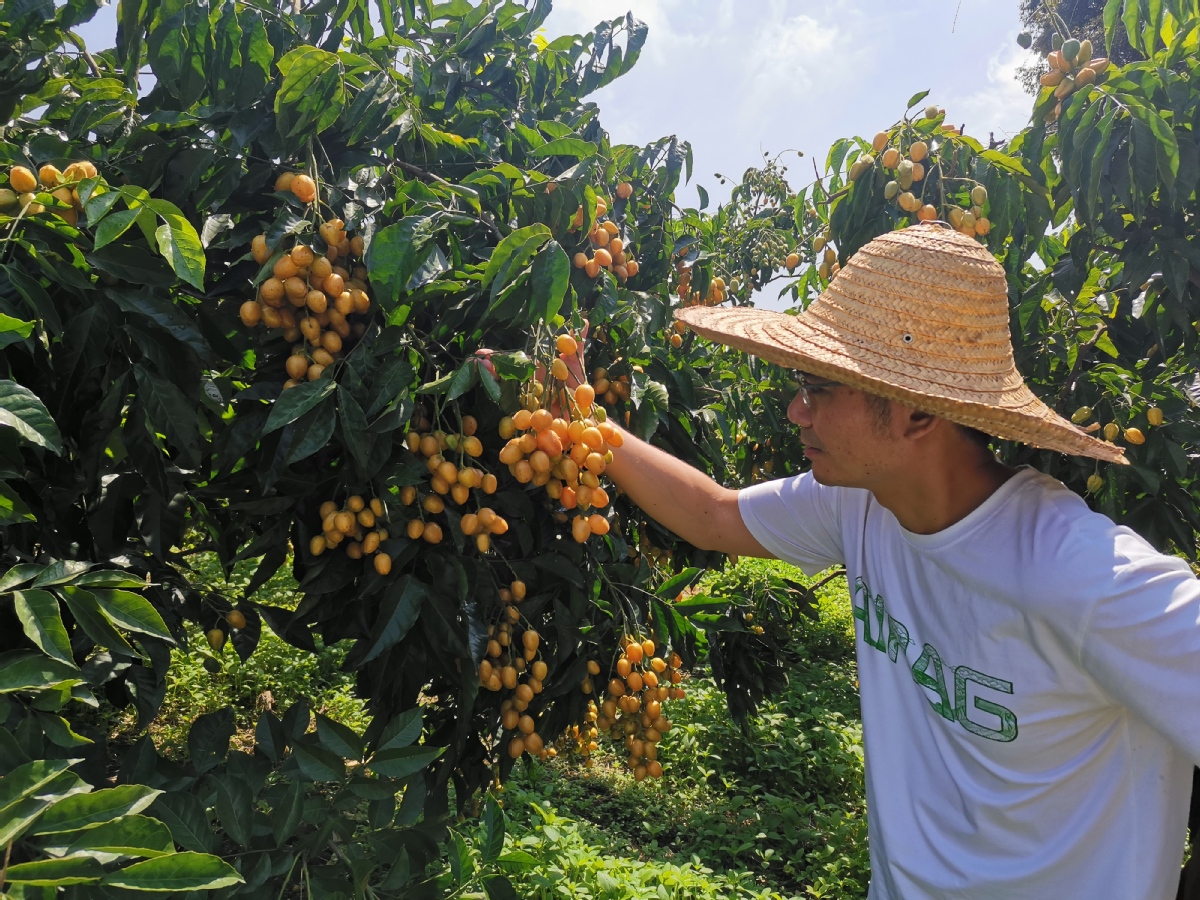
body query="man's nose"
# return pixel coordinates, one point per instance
(798, 412)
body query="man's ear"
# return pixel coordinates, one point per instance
(918, 424)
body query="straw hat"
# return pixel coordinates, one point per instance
(919, 316)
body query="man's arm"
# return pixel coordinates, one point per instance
(682, 498)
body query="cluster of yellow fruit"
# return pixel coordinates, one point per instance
(716, 288)
(971, 221)
(453, 480)
(610, 390)
(565, 457)
(581, 739)
(309, 295)
(607, 246)
(633, 710)
(300, 185)
(1112, 431)
(823, 248)
(360, 524)
(521, 673)
(1071, 67)
(23, 186)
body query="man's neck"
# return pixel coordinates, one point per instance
(941, 496)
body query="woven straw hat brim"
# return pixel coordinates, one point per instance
(919, 316)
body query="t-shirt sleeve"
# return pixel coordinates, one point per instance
(1141, 640)
(797, 519)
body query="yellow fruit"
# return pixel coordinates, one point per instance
(1094, 483)
(879, 142)
(1111, 430)
(304, 188)
(1154, 415)
(383, 564)
(979, 195)
(890, 158)
(49, 176)
(918, 151)
(216, 638)
(1135, 436)
(624, 190)
(317, 545)
(22, 180)
(236, 619)
(251, 313)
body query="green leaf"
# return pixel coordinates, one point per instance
(170, 412)
(312, 94)
(13, 330)
(285, 817)
(512, 255)
(177, 872)
(132, 612)
(13, 510)
(235, 808)
(42, 620)
(318, 764)
(565, 147)
(208, 739)
(179, 244)
(19, 815)
(398, 612)
(493, 827)
(19, 574)
(915, 99)
(312, 432)
(56, 872)
(127, 836)
(61, 572)
(28, 670)
(115, 225)
(337, 738)
(91, 618)
(184, 814)
(402, 730)
(82, 810)
(517, 861)
(21, 410)
(550, 279)
(58, 730)
(291, 405)
(29, 779)
(405, 761)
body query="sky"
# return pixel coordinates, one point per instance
(739, 78)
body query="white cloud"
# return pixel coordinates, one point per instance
(1001, 106)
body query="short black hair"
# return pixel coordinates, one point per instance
(881, 417)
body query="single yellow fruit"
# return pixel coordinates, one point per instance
(879, 142)
(1111, 430)
(49, 176)
(1135, 436)
(22, 180)
(216, 638)
(1094, 483)
(1154, 415)
(236, 619)
(918, 151)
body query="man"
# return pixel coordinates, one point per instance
(1029, 671)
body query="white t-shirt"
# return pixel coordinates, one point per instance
(1030, 687)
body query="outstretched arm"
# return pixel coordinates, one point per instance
(682, 498)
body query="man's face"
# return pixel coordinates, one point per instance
(847, 435)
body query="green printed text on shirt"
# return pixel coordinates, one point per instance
(983, 717)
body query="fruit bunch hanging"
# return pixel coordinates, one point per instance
(1071, 68)
(633, 710)
(452, 475)
(24, 186)
(309, 293)
(512, 666)
(605, 247)
(566, 456)
(359, 524)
